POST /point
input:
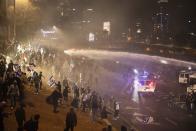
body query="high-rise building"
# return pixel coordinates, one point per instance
(161, 22)
(139, 30)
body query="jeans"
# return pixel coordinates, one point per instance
(55, 106)
(36, 88)
(94, 114)
(13, 100)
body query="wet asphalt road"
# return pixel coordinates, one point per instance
(114, 68)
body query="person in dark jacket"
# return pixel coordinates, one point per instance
(11, 66)
(123, 128)
(20, 117)
(36, 82)
(71, 120)
(104, 113)
(56, 95)
(94, 105)
(2, 116)
(65, 93)
(75, 102)
(58, 86)
(32, 124)
(40, 79)
(13, 92)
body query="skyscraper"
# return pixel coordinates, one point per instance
(139, 30)
(161, 22)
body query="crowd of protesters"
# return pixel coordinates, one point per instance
(12, 81)
(14, 76)
(83, 98)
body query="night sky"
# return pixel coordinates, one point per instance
(127, 11)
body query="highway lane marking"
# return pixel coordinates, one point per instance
(171, 121)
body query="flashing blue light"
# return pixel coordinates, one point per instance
(146, 73)
(144, 76)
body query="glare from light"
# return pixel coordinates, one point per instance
(117, 62)
(90, 9)
(136, 86)
(163, 61)
(139, 31)
(192, 33)
(135, 71)
(22, 2)
(189, 68)
(41, 50)
(47, 31)
(91, 37)
(65, 51)
(54, 27)
(107, 26)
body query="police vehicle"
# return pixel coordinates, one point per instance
(146, 82)
(147, 86)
